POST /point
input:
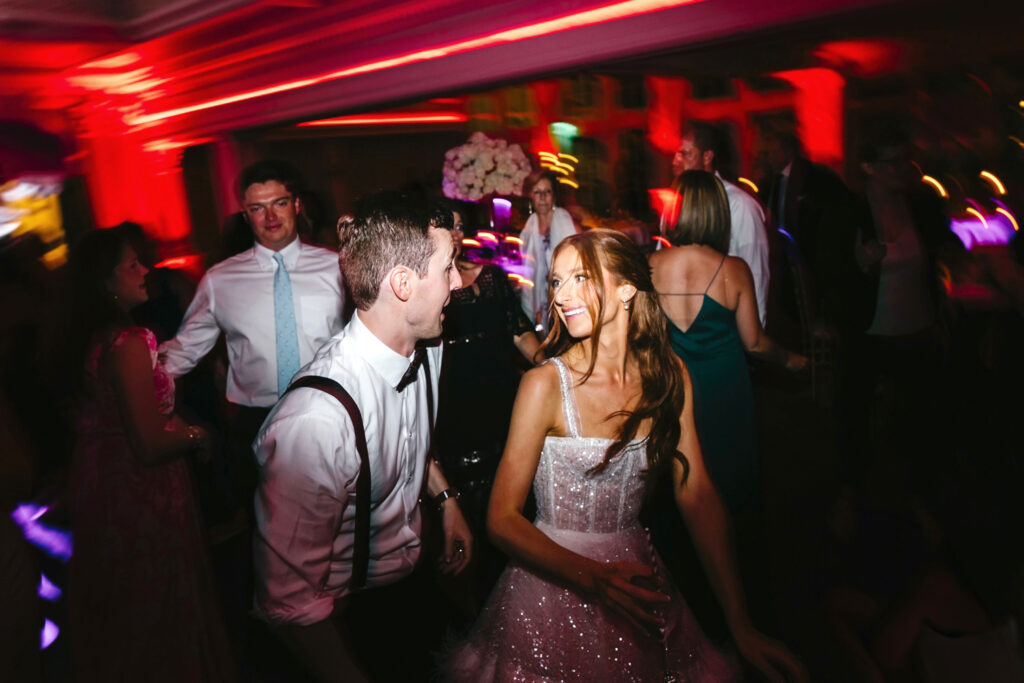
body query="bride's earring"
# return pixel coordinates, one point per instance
(626, 305)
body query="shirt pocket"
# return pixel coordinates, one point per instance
(321, 317)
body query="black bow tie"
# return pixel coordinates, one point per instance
(414, 369)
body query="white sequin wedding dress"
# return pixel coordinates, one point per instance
(533, 629)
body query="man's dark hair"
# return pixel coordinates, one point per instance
(267, 170)
(881, 137)
(706, 137)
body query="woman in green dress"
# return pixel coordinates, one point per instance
(708, 298)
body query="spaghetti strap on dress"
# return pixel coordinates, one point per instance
(534, 629)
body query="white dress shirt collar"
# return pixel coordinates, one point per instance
(387, 362)
(265, 257)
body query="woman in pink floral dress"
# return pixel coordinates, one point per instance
(140, 600)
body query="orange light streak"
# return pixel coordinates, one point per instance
(749, 183)
(513, 240)
(520, 279)
(977, 214)
(385, 119)
(571, 183)
(996, 183)
(486, 236)
(1009, 216)
(936, 184)
(569, 157)
(470, 242)
(592, 17)
(179, 262)
(664, 242)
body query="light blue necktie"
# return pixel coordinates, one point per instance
(285, 337)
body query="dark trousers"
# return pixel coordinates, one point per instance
(233, 557)
(244, 424)
(892, 409)
(394, 631)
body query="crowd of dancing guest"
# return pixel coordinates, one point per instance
(387, 468)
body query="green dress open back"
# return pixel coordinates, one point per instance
(723, 399)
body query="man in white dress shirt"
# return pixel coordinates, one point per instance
(400, 271)
(699, 150)
(269, 334)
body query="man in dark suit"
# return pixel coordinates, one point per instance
(815, 240)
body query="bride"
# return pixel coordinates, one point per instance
(585, 596)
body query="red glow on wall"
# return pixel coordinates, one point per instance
(388, 119)
(612, 12)
(819, 112)
(665, 112)
(864, 58)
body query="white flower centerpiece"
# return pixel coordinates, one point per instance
(484, 166)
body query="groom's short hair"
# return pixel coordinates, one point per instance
(389, 229)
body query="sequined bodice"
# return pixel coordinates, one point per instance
(568, 497)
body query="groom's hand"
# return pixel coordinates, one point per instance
(458, 541)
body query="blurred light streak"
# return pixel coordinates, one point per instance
(189, 261)
(996, 182)
(47, 590)
(665, 202)
(571, 183)
(548, 156)
(54, 542)
(936, 184)
(569, 157)
(115, 62)
(1009, 217)
(48, 635)
(563, 129)
(977, 214)
(749, 183)
(470, 242)
(387, 119)
(513, 239)
(864, 57)
(486, 236)
(996, 229)
(612, 12)
(520, 279)
(170, 145)
(980, 82)
(1020, 143)
(501, 213)
(664, 242)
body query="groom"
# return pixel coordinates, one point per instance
(398, 264)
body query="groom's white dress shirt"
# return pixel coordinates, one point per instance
(305, 504)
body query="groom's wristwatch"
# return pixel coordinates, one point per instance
(440, 498)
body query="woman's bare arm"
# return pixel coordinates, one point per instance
(130, 370)
(755, 340)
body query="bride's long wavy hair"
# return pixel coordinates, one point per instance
(662, 394)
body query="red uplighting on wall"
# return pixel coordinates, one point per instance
(864, 58)
(819, 112)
